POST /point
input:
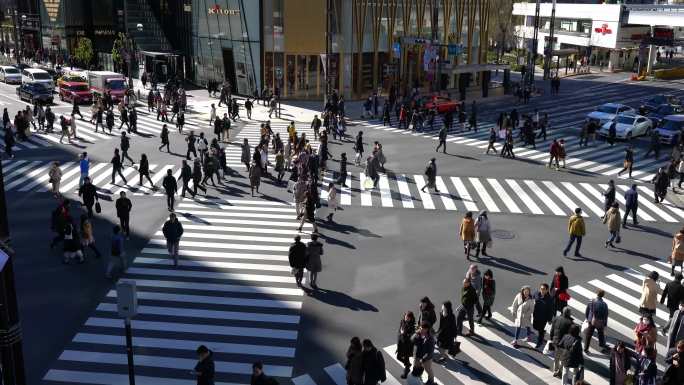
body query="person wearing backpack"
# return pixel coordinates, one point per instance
(117, 252)
(573, 359)
(596, 314)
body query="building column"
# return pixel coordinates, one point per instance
(651, 55)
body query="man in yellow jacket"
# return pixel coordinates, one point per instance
(576, 230)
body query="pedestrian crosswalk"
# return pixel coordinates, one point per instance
(496, 195)
(147, 125)
(456, 193)
(489, 357)
(566, 113)
(252, 132)
(232, 292)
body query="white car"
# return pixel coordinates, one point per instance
(628, 126)
(607, 112)
(9, 74)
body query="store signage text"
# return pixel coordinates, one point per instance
(104, 32)
(217, 10)
(603, 30)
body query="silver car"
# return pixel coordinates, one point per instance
(10, 75)
(628, 126)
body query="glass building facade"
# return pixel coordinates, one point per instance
(226, 43)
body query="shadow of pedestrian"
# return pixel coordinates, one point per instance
(507, 264)
(193, 218)
(339, 299)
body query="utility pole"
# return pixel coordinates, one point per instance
(17, 35)
(548, 47)
(11, 351)
(532, 52)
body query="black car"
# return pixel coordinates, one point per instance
(53, 74)
(22, 66)
(34, 92)
(654, 102)
(662, 111)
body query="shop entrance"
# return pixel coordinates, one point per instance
(229, 68)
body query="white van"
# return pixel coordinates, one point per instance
(35, 75)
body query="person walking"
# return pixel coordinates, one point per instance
(442, 139)
(72, 245)
(123, 212)
(117, 166)
(204, 369)
(559, 289)
(676, 257)
(245, 156)
(573, 360)
(577, 230)
(72, 125)
(358, 148)
(297, 259)
(185, 177)
(467, 308)
(424, 344)
(373, 364)
(609, 196)
(314, 250)
(660, 181)
(173, 231)
(482, 234)
(87, 237)
(354, 364)
(84, 168)
(560, 327)
(333, 201)
(647, 369)
(254, 177)
(144, 171)
(675, 331)
(488, 295)
(164, 135)
(55, 177)
(191, 145)
(475, 277)
(596, 315)
(342, 178)
(89, 193)
(404, 352)
(628, 163)
(542, 314)
(197, 177)
(492, 140)
(522, 309)
(372, 166)
(645, 334)
(654, 145)
(612, 221)
(117, 253)
(170, 188)
(125, 146)
(612, 133)
(649, 294)
(620, 363)
(446, 334)
(431, 174)
(631, 205)
(467, 233)
(9, 141)
(674, 293)
(310, 203)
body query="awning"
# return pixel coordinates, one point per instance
(564, 52)
(474, 68)
(152, 53)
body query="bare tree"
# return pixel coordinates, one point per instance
(502, 26)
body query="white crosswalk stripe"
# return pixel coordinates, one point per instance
(244, 307)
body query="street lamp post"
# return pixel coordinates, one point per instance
(11, 350)
(17, 36)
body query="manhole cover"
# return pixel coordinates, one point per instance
(502, 234)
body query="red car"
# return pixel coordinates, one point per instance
(76, 92)
(443, 104)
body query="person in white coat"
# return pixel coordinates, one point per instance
(333, 201)
(522, 308)
(55, 177)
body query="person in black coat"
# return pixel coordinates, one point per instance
(259, 377)
(185, 177)
(573, 357)
(674, 373)
(559, 328)
(171, 188)
(173, 231)
(354, 364)
(123, 211)
(609, 196)
(164, 135)
(673, 292)
(297, 258)
(446, 333)
(373, 364)
(204, 370)
(144, 170)
(404, 352)
(89, 193)
(543, 313)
